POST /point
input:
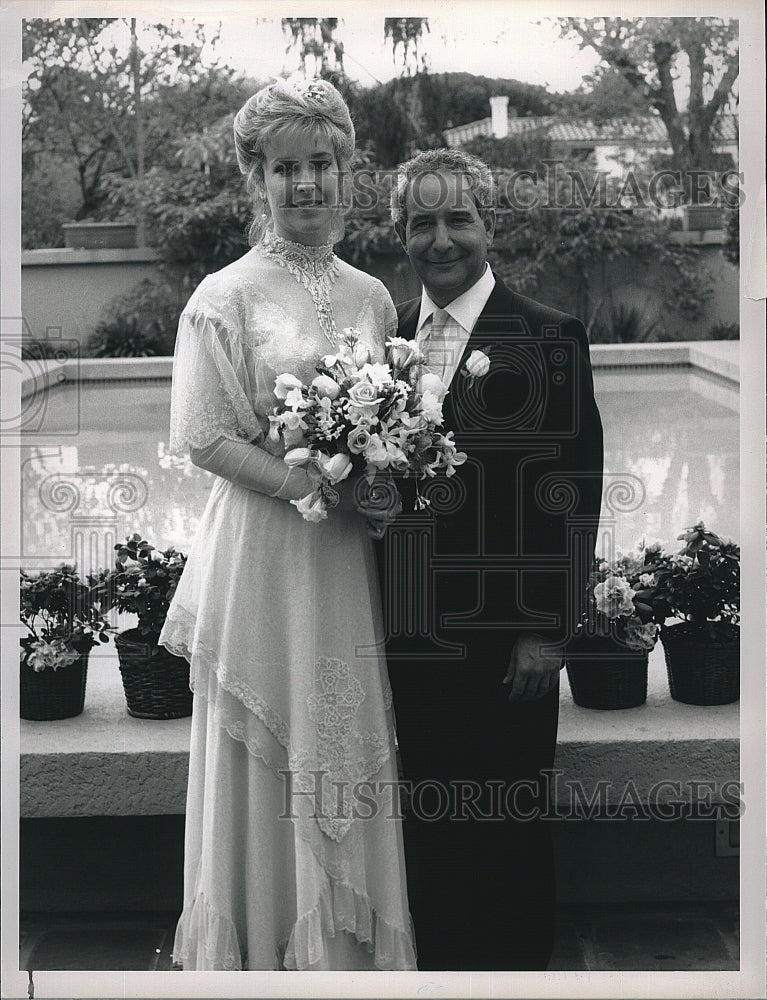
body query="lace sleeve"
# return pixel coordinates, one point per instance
(211, 393)
(389, 314)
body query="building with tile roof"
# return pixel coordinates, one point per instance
(611, 142)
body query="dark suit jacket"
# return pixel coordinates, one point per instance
(511, 535)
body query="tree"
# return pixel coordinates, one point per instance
(571, 249)
(313, 38)
(405, 34)
(606, 94)
(90, 99)
(650, 53)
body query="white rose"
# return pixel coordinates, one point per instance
(297, 456)
(311, 507)
(360, 354)
(326, 387)
(401, 352)
(358, 440)
(274, 429)
(284, 384)
(429, 382)
(431, 407)
(477, 364)
(335, 467)
(375, 453)
(364, 393)
(396, 457)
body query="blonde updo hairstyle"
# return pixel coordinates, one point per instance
(304, 106)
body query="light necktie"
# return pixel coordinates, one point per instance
(434, 347)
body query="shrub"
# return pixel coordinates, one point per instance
(700, 583)
(624, 325)
(139, 323)
(724, 331)
(143, 583)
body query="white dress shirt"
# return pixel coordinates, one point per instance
(444, 349)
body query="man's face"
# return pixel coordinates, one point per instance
(444, 236)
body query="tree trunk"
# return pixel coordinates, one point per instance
(139, 113)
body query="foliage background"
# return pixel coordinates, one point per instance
(145, 133)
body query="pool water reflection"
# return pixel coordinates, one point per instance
(96, 466)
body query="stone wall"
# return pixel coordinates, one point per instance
(64, 292)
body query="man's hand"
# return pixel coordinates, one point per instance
(531, 674)
(380, 504)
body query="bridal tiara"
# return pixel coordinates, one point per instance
(301, 86)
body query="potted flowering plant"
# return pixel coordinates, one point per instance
(143, 582)
(699, 584)
(607, 662)
(64, 621)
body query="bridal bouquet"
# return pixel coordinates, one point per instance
(363, 416)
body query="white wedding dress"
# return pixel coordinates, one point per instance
(293, 854)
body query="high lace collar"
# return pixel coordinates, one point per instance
(316, 268)
(314, 259)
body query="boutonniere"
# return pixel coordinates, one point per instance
(476, 366)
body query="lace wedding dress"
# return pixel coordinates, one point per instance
(293, 855)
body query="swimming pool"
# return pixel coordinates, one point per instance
(95, 465)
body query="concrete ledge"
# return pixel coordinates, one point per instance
(106, 763)
(42, 375)
(71, 255)
(717, 357)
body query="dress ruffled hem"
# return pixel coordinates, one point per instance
(342, 908)
(206, 939)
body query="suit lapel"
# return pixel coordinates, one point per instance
(407, 317)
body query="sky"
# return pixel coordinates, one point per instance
(490, 43)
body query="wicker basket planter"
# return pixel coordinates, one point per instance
(54, 694)
(700, 670)
(605, 675)
(156, 683)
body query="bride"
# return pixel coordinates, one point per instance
(293, 853)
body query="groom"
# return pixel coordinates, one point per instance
(482, 588)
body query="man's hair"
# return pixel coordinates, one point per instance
(452, 161)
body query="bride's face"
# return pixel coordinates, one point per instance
(302, 186)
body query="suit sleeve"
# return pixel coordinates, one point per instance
(567, 495)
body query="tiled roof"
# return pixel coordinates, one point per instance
(650, 130)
